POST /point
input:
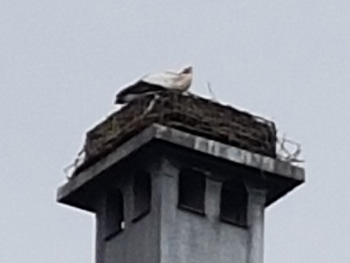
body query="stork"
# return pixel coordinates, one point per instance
(154, 83)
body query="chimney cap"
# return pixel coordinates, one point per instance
(282, 176)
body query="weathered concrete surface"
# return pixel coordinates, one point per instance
(139, 241)
(256, 219)
(188, 237)
(283, 171)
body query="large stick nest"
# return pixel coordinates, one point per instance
(190, 113)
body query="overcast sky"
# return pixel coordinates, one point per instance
(61, 62)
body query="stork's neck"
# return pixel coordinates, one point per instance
(185, 81)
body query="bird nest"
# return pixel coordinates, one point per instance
(189, 113)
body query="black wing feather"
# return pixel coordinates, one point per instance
(142, 87)
(139, 88)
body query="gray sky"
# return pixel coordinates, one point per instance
(61, 63)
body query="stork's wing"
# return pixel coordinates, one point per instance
(141, 87)
(163, 79)
(136, 90)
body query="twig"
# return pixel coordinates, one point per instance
(75, 164)
(151, 104)
(211, 92)
(290, 157)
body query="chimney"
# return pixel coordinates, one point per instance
(188, 181)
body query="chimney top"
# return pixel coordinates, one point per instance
(188, 113)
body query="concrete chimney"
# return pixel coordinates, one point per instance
(166, 195)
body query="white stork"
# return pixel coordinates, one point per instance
(154, 83)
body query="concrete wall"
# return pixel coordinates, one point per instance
(191, 238)
(169, 234)
(139, 241)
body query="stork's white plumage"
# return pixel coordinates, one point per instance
(154, 83)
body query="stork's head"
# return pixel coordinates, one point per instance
(187, 70)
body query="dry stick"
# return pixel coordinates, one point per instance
(74, 164)
(291, 157)
(151, 104)
(211, 92)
